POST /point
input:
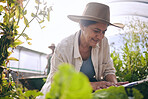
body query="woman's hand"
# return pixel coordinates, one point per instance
(101, 85)
(105, 84)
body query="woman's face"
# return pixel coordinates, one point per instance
(94, 33)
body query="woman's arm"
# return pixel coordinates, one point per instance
(110, 81)
(111, 78)
(101, 85)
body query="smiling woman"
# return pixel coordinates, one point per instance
(92, 34)
(88, 49)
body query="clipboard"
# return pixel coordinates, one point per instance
(135, 83)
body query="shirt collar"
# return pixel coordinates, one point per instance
(76, 45)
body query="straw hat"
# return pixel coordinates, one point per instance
(51, 46)
(95, 12)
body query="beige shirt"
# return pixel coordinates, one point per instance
(68, 52)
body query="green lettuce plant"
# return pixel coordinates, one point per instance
(116, 93)
(69, 84)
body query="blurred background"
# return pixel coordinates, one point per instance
(33, 58)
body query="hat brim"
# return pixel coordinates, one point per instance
(78, 18)
(51, 46)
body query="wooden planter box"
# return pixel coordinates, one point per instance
(33, 82)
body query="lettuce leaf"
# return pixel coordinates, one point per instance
(115, 93)
(69, 84)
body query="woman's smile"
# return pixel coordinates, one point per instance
(95, 40)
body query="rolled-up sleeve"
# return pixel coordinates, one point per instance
(109, 68)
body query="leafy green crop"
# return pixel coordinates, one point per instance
(115, 93)
(69, 84)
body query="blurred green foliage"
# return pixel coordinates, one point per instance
(131, 59)
(115, 93)
(11, 14)
(69, 84)
(8, 90)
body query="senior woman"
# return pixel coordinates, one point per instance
(88, 49)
